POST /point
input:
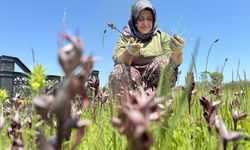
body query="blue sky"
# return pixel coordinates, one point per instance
(36, 24)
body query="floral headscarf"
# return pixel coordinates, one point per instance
(131, 29)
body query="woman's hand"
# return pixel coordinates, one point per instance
(176, 43)
(134, 46)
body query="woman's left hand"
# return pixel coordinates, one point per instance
(176, 43)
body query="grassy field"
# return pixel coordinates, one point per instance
(187, 131)
(205, 114)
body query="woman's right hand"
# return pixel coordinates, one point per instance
(133, 46)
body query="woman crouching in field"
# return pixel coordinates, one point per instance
(143, 49)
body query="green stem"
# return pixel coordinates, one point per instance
(209, 52)
(224, 66)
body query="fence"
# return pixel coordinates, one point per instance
(15, 81)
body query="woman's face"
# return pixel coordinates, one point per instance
(144, 23)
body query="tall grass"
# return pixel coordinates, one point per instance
(179, 129)
(188, 133)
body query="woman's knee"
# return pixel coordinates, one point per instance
(116, 74)
(123, 76)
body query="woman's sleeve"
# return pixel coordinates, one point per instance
(119, 48)
(165, 39)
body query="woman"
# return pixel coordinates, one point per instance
(143, 50)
